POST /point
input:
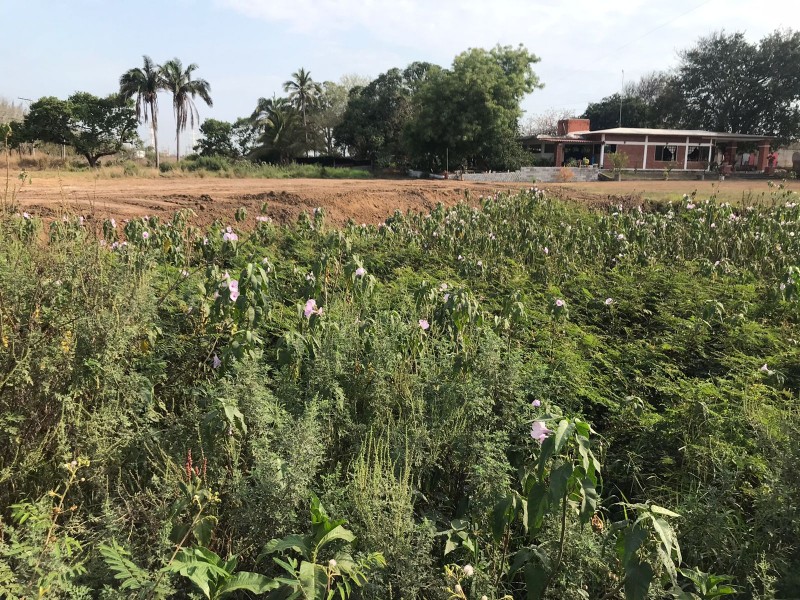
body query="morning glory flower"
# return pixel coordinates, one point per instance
(216, 363)
(539, 431)
(764, 368)
(145, 235)
(423, 323)
(560, 303)
(536, 403)
(229, 236)
(311, 308)
(609, 301)
(26, 215)
(360, 272)
(233, 286)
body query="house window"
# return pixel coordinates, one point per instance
(666, 153)
(611, 148)
(694, 153)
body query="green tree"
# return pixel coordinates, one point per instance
(376, 115)
(280, 130)
(471, 112)
(184, 89)
(729, 84)
(144, 83)
(217, 139)
(93, 126)
(303, 94)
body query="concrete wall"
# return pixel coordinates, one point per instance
(539, 174)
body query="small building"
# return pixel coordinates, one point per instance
(679, 149)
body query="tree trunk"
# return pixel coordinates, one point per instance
(92, 160)
(154, 121)
(178, 143)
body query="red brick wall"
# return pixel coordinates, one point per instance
(566, 126)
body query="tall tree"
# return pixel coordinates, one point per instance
(184, 89)
(280, 127)
(144, 83)
(303, 93)
(377, 114)
(94, 127)
(729, 84)
(469, 114)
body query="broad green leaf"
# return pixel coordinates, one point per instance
(337, 533)
(299, 543)
(313, 580)
(537, 507)
(535, 580)
(559, 478)
(562, 435)
(589, 500)
(250, 582)
(638, 577)
(660, 510)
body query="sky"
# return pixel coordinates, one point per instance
(246, 49)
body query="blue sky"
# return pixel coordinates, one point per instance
(247, 48)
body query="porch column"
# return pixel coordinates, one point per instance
(763, 153)
(644, 156)
(710, 150)
(731, 153)
(559, 154)
(686, 154)
(602, 150)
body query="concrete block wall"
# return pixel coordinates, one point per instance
(539, 174)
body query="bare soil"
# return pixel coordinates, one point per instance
(364, 201)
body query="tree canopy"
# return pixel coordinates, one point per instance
(93, 126)
(469, 114)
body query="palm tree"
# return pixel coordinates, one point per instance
(277, 121)
(144, 83)
(184, 89)
(303, 92)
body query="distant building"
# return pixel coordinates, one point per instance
(679, 149)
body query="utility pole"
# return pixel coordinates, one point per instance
(28, 100)
(621, 94)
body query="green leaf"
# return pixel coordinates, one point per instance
(660, 510)
(562, 434)
(298, 543)
(638, 577)
(535, 580)
(313, 580)
(250, 582)
(589, 500)
(337, 533)
(537, 507)
(559, 478)
(203, 529)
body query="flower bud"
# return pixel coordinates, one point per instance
(468, 571)
(458, 589)
(332, 563)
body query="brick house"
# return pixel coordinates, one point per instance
(688, 150)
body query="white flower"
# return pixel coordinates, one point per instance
(468, 571)
(332, 563)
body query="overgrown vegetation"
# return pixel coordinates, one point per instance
(527, 399)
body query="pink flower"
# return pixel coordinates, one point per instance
(423, 323)
(536, 403)
(26, 215)
(229, 236)
(360, 272)
(560, 303)
(539, 431)
(233, 286)
(311, 308)
(216, 363)
(145, 235)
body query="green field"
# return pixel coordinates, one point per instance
(529, 399)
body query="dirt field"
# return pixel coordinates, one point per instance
(365, 201)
